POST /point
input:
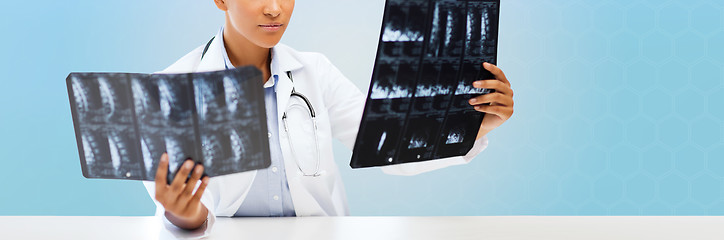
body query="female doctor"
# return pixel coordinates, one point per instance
(293, 185)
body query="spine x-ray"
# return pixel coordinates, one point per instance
(124, 122)
(430, 53)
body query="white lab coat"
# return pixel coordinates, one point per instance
(339, 105)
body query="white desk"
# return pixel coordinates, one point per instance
(417, 228)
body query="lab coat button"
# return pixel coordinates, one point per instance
(274, 169)
(269, 134)
(276, 197)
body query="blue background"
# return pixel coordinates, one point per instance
(619, 105)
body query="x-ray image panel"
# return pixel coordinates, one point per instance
(102, 98)
(228, 149)
(394, 80)
(163, 100)
(232, 121)
(482, 30)
(449, 74)
(442, 26)
(433, 91)
(386, 108)
(379, 146)
(429, 105)
(221, 98)
(429, 54)
(419, 140)
(153, 145)
(165, 117)
(428, 85)
(179, 145)
(110, 152)
(105, 132)
(125, 122)
(404, 33)
(221, 147)
(447, 31)
(458, 134)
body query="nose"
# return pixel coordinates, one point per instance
(273, 9)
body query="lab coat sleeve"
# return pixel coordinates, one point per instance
(174, 232)
(345, 104)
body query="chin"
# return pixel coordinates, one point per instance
(268, 43)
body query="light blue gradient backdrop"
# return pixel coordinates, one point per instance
(619, 105)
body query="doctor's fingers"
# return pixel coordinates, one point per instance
(196, 199)
(179, 181)
(497, 72)
(504, 112)
(188, 191)
(494, 84)
(495, 98)
(160, 179)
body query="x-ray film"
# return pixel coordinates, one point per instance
(124, 122)
(429, 55)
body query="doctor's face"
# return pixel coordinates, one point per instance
(262, 22)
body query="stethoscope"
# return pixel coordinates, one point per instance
(309, 108)
(289, 134)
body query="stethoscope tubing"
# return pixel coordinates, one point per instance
(313, 116)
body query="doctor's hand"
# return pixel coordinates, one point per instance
(501, 101)
(183, 205)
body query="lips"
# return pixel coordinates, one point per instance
(271, 27)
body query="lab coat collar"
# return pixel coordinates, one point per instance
(284, 85)
(213, 60)
(283, 59)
